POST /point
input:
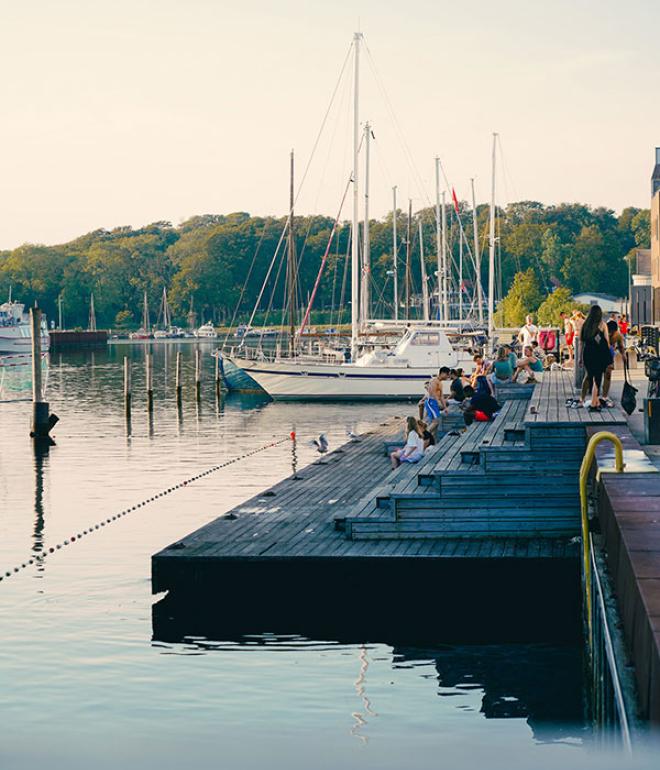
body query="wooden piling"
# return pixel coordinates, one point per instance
(218, 381)
(149, 371)
(178, 379)
(127, 387)
(42, 421)
(198, 374)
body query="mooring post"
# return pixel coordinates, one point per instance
(42, 421)
(217, 374)
(127, 387)
(149, 363)
(198, 374)
(178, 379)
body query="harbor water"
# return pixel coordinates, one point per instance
(85, 683)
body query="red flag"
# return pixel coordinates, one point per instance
(453, 195)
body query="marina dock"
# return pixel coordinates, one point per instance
(482, 534)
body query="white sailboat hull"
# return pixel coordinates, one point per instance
(16, 339)
(289, 381)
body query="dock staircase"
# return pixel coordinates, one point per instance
(514, 477)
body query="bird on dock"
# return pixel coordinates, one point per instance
(352, 436)
(321, 443)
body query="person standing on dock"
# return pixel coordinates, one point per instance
(596, 353)
(528, 333)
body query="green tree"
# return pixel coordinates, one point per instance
(523, 298)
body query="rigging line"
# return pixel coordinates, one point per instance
(406, 148)
(325, 257)
(342, 296)
(505, 168)
(267, 220)
(323, 122)
(450, 191)
(263, 285)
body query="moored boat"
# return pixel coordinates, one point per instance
(15, 329)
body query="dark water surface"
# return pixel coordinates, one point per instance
(83, 684)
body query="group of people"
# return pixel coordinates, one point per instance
(474, 396)
(470, 396)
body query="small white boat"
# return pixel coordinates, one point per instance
(381, 375)
(15, 329)
(206, 331)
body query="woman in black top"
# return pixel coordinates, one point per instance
(595, 352)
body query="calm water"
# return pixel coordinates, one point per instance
(82, 681)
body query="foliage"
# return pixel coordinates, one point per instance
(560, 300)
(206, 261)
(523, 298)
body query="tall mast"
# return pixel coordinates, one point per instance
(292, 265)
(59, 312)
(425, 286)
(355, 244)
(408, 260)
(166, 310)
(445, 293)
(92, 314)
(477, 255)
(394, 256)
(438, 242)
(145, 313)
(491, 252)
(365, 303)
(460, 270)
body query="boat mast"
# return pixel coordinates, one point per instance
(292, 266)
(408, 260)
(445, 292)
(365, 309)
(166, 310)
(145, 313)
(59, 312)
(92, 314)
(460, 270)
(477, 255)
(394, 256)
(491, 252)
(425, 286)
(438, 242)
(355, 244)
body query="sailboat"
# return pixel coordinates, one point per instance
(399, 373)
(166, 331)
(144, 332)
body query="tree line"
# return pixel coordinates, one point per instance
(215, 262)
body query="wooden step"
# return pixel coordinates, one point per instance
(551, 526)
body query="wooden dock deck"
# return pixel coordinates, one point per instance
(301, 518)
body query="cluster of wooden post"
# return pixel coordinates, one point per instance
(149, 380)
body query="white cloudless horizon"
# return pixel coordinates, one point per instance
(127, 113)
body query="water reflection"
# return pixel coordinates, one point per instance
(41, 449)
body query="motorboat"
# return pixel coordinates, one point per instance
(206, 331)
(380, 375)
(15, 329)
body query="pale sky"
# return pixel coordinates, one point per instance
(131, 111)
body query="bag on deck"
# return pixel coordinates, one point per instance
(629, 394)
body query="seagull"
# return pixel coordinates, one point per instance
(352, 436)
(321, 443)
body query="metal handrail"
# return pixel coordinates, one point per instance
(611, 657)
(585, 468)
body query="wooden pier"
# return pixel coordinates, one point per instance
(492, 511)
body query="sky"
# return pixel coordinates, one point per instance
(134, 111)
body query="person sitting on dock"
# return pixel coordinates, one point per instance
(427, 436)
(456, 387)
(481, 367)
(413, 450)
(503, 368)
(478, 402)
(530, 364)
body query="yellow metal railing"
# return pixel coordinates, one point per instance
(587, 462)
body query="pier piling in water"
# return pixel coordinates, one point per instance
(178, 379)
(42, 422)
(198, 374)
(218, 382)
(127, 387)
(149, 363)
